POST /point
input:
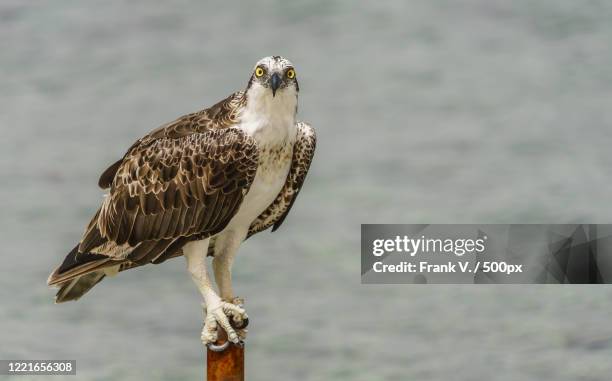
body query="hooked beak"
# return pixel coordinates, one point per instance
(275, 82)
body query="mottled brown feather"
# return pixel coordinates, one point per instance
(161, 204)
(162, 195)
(221, 115)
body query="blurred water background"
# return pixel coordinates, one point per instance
(427, 112)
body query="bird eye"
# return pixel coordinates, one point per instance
(290, 74)
(259, 71)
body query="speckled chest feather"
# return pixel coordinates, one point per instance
(275, 158)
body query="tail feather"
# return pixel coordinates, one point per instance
(72, 261)
(78, 274)
(59, 276)
(80, 271)
(77, 287)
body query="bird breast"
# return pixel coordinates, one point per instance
(275, 159)
(271, 175)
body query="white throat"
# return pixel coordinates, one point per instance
(270, 120)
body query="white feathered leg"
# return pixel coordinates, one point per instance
(226, 246)
(217, 311)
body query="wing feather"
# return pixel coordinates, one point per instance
(220, 116)
(221, 172)
(162, 194)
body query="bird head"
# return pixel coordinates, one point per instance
(276, 74)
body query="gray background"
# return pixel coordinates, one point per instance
(428, 112)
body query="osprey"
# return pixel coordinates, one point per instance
(199, 186)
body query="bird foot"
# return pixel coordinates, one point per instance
(235, 300)
(239, 322)
(232, 318)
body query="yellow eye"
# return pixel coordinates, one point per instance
(259, 71)
(290, 73)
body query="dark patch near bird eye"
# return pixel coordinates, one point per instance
(251, 81)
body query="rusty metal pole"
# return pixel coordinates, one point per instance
(224, 360)
(225, 365)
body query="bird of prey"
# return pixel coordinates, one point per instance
(199, 186)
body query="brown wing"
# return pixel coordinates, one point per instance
(222, 115)
(182, 181)
(175, 188)
(303, 152)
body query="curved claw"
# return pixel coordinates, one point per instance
(242, 325)
(218, 348)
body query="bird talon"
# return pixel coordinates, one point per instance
(237, 301)
(227, 316)
(242, 324)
